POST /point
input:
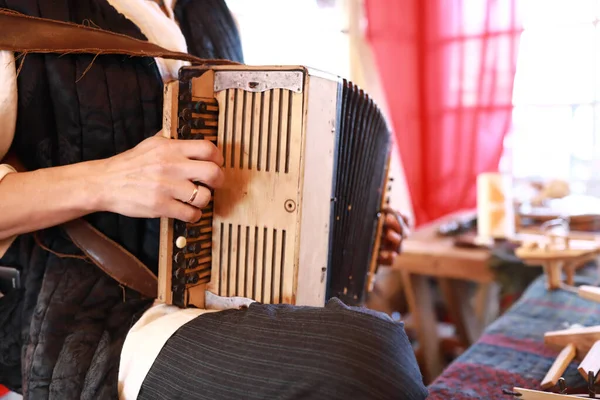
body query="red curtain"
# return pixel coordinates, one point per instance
(447, 68)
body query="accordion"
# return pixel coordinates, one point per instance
(306, 162)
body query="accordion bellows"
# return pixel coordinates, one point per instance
(298, 219)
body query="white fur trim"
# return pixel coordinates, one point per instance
(158, 28)
(8, 100)
(8, 117)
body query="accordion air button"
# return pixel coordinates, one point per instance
(180, 242)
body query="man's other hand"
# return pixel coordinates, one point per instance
(395, 229)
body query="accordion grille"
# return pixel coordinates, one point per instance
(251, 262)
(362, 154)
(257, 130)
(256, 214)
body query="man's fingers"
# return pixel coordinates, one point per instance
(397, 223)
(201, 150)
(386, 257)
(392, 223)
(392, 237)
(182, 211)
(206, 172)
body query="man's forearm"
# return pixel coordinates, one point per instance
(35, 200)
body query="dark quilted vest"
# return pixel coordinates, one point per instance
(61, 335)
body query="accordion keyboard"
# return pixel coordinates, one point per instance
(192, 242)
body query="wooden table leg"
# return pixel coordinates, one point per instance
(553, 271)
(487, 302)
(456, 295)
(421, 307)
(570, 274)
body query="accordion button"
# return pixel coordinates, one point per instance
(179, 258)
(185, 131)
(180, 242)
(179, 273)
(194, 248)
(186, 114)
(192, 262)
(193, 232)
(179, 228)
(200, 107)
(193, 278)
(199, 123)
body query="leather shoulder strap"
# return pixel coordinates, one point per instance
(111, 258)
(25, 34)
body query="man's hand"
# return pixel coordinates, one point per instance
(155, 179)
(395, 229)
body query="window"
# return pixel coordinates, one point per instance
(294, 32)
(556, 119)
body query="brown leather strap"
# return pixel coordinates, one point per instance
(113, 259)
(25, 34)
(108, 255)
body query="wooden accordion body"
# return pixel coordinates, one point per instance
(298, 219)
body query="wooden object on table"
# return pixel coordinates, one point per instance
(426, 255)
(557, 251)
(529, 394)
(591, 361)
(576, 343)
(495, 209)
(589, 293)
(559, 366)
(583, 338)
(586, 341)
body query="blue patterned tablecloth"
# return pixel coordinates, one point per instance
(511, 352)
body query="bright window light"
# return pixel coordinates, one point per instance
(556, 118)
(293, 32)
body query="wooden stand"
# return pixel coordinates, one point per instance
(585, 342)
(575, 342)
(558, 252)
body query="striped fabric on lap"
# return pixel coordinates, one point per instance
(286, 352)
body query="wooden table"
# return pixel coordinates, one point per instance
(425, 255)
